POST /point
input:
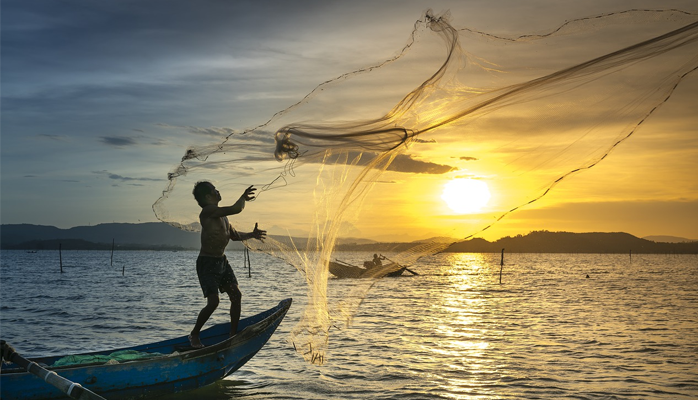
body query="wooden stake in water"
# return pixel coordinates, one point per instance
(501, 266)
(60, 257)
(247, 261)
(112, 253)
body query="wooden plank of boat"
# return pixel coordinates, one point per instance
(343, 270)
(165, 373)
(389, 270)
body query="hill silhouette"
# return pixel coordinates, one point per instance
(668, 239)
(567, 242)
(160, 236)
(151, 235)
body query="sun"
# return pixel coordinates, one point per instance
(466, 196)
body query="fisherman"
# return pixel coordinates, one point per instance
(212, 267)
(377, 260)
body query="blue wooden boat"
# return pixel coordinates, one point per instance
(172, 368)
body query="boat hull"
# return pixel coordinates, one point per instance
(345, 271)
(349, 271)
(172, 373)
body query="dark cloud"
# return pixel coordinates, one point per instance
(118, 141)
(405, 163)
(124, 141)
(401, 163)
(469, 158)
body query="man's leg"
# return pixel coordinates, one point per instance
(235, 307)
(211, 304)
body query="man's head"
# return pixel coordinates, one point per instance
(205, 193)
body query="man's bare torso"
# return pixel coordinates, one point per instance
(215, 234)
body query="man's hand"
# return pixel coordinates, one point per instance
(249, 193)
(258, 233)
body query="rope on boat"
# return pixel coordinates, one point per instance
(73, 386)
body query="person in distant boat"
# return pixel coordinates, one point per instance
(212, 267)
(377, 260)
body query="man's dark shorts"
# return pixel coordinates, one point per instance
(215, 273)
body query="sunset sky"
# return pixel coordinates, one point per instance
(100, 100)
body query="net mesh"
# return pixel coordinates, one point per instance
(522, 113)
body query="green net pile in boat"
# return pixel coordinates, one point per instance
(117, 356)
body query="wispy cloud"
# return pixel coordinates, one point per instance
(212, 131)
(124, 178)
(159, 142)
(216, 132)
(58, 138)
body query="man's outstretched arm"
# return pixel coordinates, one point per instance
(255, 234)
(217, 212)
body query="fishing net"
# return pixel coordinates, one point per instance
(112, 358)
(370, 150)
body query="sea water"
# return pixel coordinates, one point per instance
(628, 331)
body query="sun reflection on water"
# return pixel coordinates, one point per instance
(463, 334)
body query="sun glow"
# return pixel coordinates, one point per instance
(466, 196)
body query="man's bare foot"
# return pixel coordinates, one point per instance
(195, 342)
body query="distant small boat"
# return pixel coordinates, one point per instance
(341, 269)
(173, 367)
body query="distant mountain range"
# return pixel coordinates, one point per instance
(151, 235)
(668, 239)
(144, 236)
(160, 236)
(566, 242)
